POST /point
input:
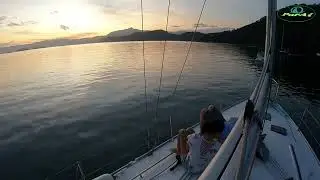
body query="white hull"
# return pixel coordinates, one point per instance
(279, 166)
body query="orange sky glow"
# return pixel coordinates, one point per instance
(24, 21)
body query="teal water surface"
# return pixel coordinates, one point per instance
(86, 102)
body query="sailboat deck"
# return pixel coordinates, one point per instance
(279, 166)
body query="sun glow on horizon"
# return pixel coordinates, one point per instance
(72, 20)
(75, 19)
(29, 21)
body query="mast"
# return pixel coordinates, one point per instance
(258, 103)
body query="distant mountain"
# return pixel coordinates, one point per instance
(251, 34)
(205, 30)
(155, 35)
(124, 32)
(51, 43)
(298, 38)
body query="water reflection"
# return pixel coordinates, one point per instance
(85, 102)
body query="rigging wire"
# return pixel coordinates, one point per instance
(144, 61)
(186, 58)
(145, 79)
(70, 166)
(189, 48)
(163, 55)
(144, 72)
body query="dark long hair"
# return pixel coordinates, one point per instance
(213, 121)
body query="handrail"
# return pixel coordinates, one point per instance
(309, 130)
(314, 118)
(301, 121)
(295, 162)
(277, 89)
(82, 175)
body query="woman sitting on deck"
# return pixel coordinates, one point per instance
(200, 148)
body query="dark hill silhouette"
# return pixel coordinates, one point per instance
(158, 35)
(155, 35)
(123, 32)
(252, 34)
(299, 38)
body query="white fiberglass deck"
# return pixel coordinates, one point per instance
(279, 165)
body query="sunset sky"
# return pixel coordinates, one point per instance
(26, 21)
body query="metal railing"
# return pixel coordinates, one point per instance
(165, 142)
(295, 162)
(79, 173)
(308, 129)
(302, 122)
(75, 171)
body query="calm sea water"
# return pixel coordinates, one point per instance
(86, 102)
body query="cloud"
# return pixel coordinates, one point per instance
(22, 23)
(64, 27)
(24, 32)
(120, 9)
(110, 10)
(54, 12)
(12, 24)
(30, 22)
(3, 18)
(203, 25)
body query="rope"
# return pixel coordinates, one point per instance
(189, 48)
(163, 53)
(144, 61)
(62, 170)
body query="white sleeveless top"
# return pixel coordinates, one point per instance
(200, 152)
